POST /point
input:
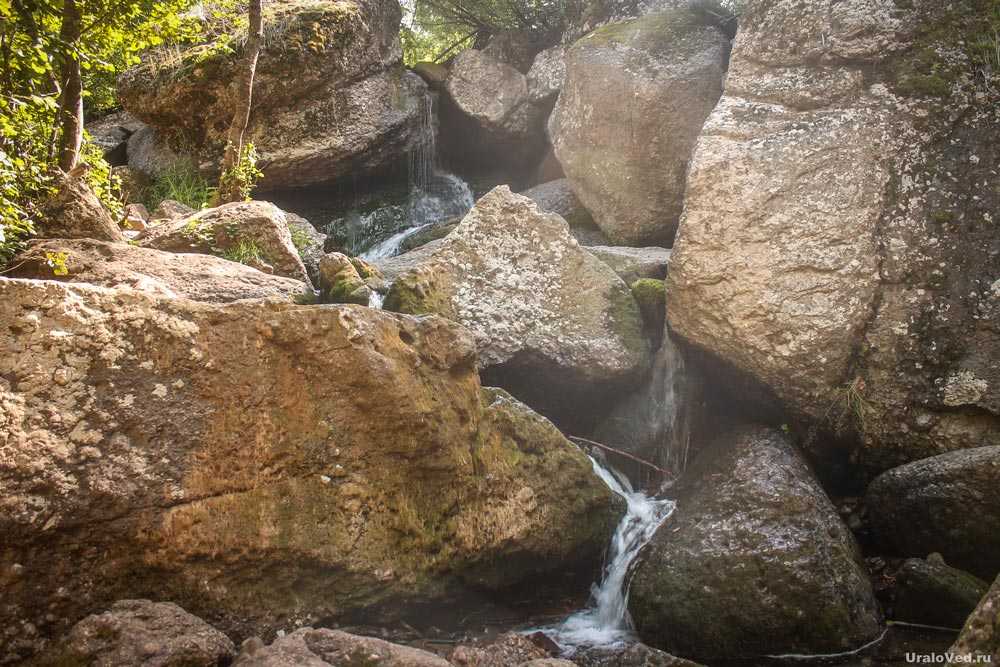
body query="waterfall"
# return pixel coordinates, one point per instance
(391, 246)
(423, 153)
(606, 620)
(445, 197)
(432, 196)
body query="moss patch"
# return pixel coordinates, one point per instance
(657, 33)
(625, 318)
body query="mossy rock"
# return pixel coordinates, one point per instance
(651, 296)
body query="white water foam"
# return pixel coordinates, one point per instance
(606, 621)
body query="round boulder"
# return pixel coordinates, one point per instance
(946, 504)
(754, 561)
(632, 104)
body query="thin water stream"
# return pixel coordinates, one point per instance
(606, 621)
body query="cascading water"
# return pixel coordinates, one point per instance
(432, 197)
(423, 152)
(606, 622)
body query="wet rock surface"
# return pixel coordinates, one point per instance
(167, 447)
(166, 274)
(630, 171)
(755, 560)
(933, 593)
(980, 635)
(944, 504)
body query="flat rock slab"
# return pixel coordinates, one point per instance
(189, 276)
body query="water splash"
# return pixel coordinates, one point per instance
(375, 300)
(606, 622)
(446, 197)
(391, 246)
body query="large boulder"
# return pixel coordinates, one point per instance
(933, 593)
(140, 632)
(488, 114)
(755, 560)
(254, 233)
(344, 132)
(552, 321)
(946, 504)
(333, 648)
(547, 74)
(167, 274)
(308, 242)
(331, 98)
(980, 637)
(73, 211)
(837, 242)
(265, 464)
(558, 197)
(149, 154)
(633, 102)
(111, 134)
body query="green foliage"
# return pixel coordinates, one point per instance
(984, 45)
(245, 252)
(301, 240)
(245, 174)
(32, 54)
(432, 43)
(180, 182)
(437, 29)
(106, 185)
(25, 180)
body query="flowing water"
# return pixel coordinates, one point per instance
(444, 197)
(392, 245)
(606, 621)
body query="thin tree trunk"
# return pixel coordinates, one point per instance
(229, 187)
(71, 105)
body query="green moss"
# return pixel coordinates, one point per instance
(418, 294)
(655, 33)
(924, 85)
(942, 217)
(306, 298)
(406, 297)
(625, 318)
(651, 296)
(301, 240)
(245, 251)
